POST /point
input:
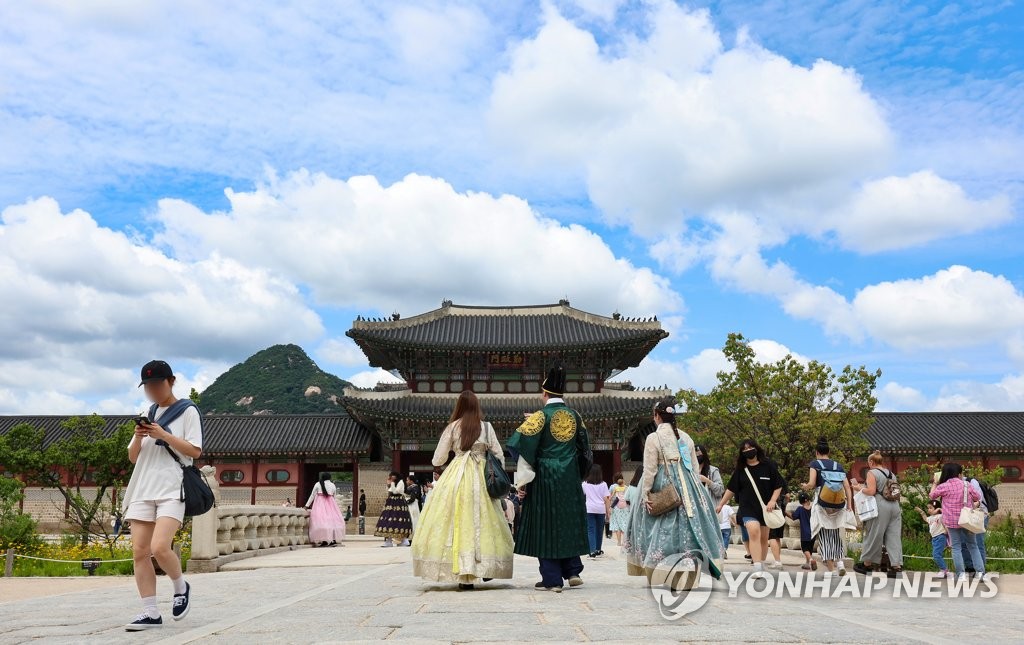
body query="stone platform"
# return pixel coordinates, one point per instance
(361, 592)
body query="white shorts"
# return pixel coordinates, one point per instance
(148, 511)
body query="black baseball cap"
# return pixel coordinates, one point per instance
(155, 371)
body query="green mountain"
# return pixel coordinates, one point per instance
(281, 379)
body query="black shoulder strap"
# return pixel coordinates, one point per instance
(173, 411)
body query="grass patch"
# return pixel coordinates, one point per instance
(70, 549)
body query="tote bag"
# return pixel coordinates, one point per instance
(972, 519)
(867, 506)
(772, 519)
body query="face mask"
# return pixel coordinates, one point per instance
(701, 459)
(749, 454)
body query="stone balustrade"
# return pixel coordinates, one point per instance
(229, 533)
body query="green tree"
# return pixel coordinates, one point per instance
(82, 465)
(17, 529)
(785, 406)
(195, 396)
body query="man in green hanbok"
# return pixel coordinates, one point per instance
(553, 524)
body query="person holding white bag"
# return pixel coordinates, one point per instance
(833, 498)
(754, 480)
(887, 528)
(957, 496)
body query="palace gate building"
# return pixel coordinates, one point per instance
(502, 354)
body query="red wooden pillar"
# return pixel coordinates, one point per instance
(255, 473)
(396, 457)
(617, 460)
(355, 485)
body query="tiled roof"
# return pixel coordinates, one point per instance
(285, 434)
(950, 432)
(53, 425)
(498, 408)
(245, 434)
(458, 327)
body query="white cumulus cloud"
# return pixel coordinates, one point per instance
(897, 212)
(1006, 394)
(673, 123)
(700, 371)
(85, 306)
(360, 244)
(954, 307)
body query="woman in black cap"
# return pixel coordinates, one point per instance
(152, 500)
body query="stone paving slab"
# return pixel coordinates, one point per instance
(362, 593)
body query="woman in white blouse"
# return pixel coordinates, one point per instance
(463, 534)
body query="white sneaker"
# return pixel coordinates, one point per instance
(962, 577)
(775, 565)
(757, 575)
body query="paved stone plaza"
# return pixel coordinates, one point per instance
(365, 593)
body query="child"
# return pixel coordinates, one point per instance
(938, 532)
(802, 514)
(725, 523)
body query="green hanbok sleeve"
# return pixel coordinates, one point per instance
(526, 439)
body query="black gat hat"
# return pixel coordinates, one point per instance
(554, 384)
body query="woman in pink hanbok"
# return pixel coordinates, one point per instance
(326, 526)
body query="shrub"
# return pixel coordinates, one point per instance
(17, 529)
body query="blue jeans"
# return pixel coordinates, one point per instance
(980, 539)
(726, 534)
(938, 549)
(595, 531)
(960, 538)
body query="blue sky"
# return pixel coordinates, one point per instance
(837, 180)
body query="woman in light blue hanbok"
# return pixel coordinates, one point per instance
(692, 529)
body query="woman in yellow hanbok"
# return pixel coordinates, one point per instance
(462, 533)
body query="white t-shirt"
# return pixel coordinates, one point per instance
(935, 525)
(156, 475)
(724, 517)
(595, 494)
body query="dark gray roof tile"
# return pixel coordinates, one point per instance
(244, 434)
(970, 432)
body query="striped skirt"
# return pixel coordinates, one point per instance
(830, 544)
